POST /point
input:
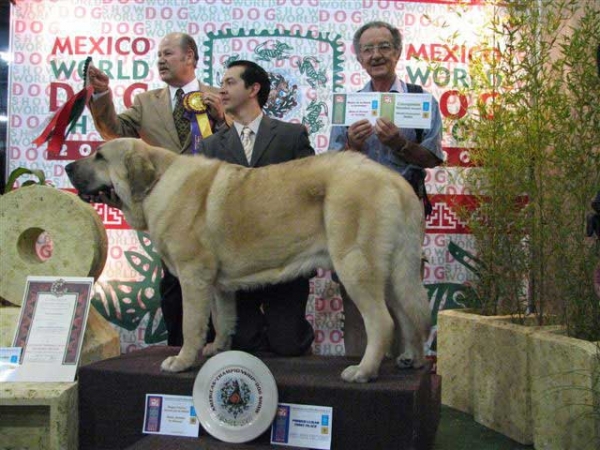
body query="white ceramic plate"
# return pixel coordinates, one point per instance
(235, 396)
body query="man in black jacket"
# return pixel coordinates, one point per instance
(272, 318)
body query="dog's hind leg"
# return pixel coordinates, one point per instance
(408, 303)
(224, 319)
(367, 293)
(197, 295)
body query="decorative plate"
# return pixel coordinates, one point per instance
(235, 396)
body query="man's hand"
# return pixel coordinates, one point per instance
(389, 134)
(411, 152)
(98, 79)
(215, 106)
(358, 133)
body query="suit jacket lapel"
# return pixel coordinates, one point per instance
(165, 114)
(230, 143)
(266, 133)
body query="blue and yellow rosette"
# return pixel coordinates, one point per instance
(196, 113)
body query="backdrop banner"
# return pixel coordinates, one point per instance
(306, 46)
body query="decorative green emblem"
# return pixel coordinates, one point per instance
(267, 51)
(234, 397)
(126, 303)
(313, 77)
(311, 120)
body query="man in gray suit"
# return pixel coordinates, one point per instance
(272, 318)
(152, 117)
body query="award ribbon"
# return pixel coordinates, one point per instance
(64, 120)
(195, 112)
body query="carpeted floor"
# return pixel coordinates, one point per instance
(458, 431)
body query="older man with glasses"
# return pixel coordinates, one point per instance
(378, 47)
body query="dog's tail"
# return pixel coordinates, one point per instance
(409, 302)
(408, 288)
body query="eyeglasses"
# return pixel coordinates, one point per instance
(385, 48)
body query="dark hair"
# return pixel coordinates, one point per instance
(396, 36)
(253, 73)
(188, 43)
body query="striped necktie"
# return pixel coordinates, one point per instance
(181, 123)
(247, 142)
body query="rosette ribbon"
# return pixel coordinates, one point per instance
(67, 116)
(195, 112)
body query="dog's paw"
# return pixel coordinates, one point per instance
(354, 374)
(407, 360)
(175, 364)
(211, 349)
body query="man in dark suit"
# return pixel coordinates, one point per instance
(272, 318)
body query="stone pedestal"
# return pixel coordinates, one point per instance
(457, 332)
(565, 391)
(501, 385)
(40, 416)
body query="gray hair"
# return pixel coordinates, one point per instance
(396, 36)
(188, 43)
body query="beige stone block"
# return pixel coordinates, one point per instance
(101, 340)
(501, 384)
(9, 316)
(38, 416)
(565, 380)
(456, 341)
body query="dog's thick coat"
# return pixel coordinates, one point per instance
(222, 227)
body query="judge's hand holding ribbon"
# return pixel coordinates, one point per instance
(97, 79)
(214, 104)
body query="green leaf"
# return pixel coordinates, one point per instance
(20, 171)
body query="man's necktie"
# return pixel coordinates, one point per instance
(247, 142)
(181, 123)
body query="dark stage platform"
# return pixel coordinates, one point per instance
(400, 410)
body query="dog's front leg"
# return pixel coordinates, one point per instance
(197, 296)
(224, 317)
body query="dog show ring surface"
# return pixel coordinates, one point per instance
(235, 396)
(399, 410)
(79, 242)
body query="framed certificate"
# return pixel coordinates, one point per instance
(51, 328)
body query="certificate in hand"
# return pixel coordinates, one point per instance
(51, 328)
(405, 110)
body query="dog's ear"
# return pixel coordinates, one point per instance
(141, 173)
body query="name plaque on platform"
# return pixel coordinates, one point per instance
(306, 426)
(172, 415)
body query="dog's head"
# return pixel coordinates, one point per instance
(123, 166)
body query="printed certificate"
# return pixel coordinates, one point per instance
(405, 110)
(171, 415)
(304, 426)
(51, 328)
